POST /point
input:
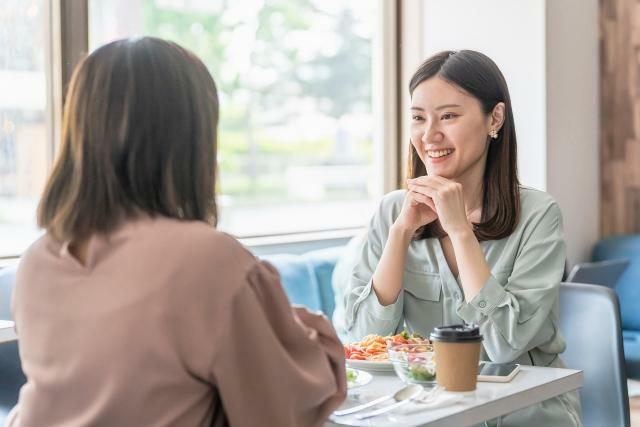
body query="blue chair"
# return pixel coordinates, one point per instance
(603, 273)
(590, 324)
(11, 375)
(306, 278)
(323, 262)
(298, 280)
(628, 290)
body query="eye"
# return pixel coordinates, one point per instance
(416, 118)
(448, 116)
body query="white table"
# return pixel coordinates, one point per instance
(490, 400)
(7, 331)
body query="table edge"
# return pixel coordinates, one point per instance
(515, 402)
(7, 331)
(574, 380)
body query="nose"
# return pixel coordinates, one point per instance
(431, 134)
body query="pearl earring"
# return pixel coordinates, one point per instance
(493, 134)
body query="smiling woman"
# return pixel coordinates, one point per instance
(475, 118)
(466, 243)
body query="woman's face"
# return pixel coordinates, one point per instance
(449, 130)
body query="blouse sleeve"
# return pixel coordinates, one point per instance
(516, 317)
(277, 365)
(364, 313)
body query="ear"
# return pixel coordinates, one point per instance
(497, 117)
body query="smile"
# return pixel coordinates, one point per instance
(434, 154)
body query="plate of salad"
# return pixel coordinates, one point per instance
(370, 353)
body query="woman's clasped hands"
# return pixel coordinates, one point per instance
(434, 197)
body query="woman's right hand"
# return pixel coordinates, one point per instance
(417, 210)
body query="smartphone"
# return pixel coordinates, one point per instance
(497, 372)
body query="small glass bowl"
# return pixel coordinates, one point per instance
(414, 363)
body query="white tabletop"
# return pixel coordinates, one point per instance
(7, 331)
(490, 400)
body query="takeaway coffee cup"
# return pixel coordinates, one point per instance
(457, 349)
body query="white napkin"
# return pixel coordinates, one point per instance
(633, 387)
(432, 399)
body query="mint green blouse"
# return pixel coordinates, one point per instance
(517, 308)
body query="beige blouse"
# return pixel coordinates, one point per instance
(168, 323)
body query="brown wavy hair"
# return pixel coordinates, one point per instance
(138, 136)
(477, 75)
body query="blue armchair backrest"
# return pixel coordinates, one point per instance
(306, 278)
(323, 262)
(628, 286)
(11, 375)
(298, 280)
(7, 279)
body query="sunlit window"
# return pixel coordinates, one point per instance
(296, 149)
(25, 141)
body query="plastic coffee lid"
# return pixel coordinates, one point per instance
(456, 333)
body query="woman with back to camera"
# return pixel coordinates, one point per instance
(466, 242)
(132, 310)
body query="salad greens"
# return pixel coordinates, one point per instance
(406, 335)
(421, 373)
(352, 375)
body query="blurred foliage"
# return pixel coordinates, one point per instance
(280, 77)
(22, 32)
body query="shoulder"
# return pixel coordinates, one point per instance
(196, 232)
(390, 206)
(532, 198)
(42, 245)
(537, 201)
(196, 239)
(189, 248)
(393, 199)
(538, 207)
(42, 249)
(385, 214)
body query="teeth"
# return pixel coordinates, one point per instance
(439, 153)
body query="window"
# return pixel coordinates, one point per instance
(307, 90)
(25, 136)
(295, 79)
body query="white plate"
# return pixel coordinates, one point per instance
(371, 365)
(362, 379)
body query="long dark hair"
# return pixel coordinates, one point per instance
(480, 77)
(138, 136)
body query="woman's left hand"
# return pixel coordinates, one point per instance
(448, 200)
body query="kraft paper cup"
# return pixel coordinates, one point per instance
(457, 353)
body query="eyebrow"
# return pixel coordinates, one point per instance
(441, 107)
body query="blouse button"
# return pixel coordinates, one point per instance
(482, 304)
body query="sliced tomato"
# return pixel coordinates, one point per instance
(356, 356)
(347, 351)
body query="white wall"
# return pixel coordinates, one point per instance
(573, 125)
(548, 52)
(512, 34)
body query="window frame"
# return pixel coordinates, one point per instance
(68, 25)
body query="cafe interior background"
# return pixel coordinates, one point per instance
(313, 133)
